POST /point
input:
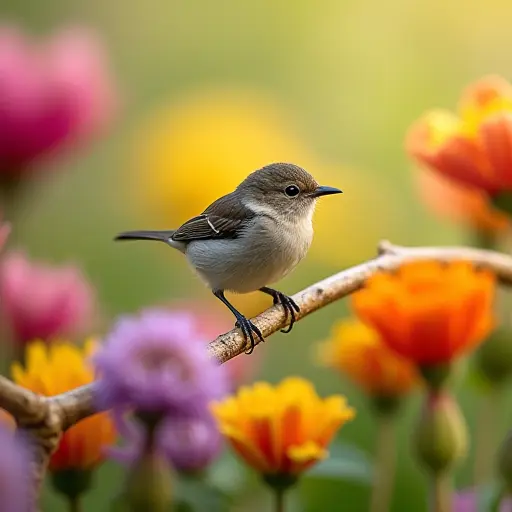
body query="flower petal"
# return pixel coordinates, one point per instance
(496, 136)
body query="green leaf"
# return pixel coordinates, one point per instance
(346, 462)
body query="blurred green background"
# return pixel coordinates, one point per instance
(347, 79)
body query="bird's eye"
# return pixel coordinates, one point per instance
(292, 190)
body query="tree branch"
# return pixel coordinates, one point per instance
(47, 418)
(335, 287)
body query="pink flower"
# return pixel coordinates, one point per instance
(52, 92)
(41, 301)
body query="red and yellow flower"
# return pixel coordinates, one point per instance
(282, 429)
(429, 312)
(358, 351)
(475, 146)
(57, 368)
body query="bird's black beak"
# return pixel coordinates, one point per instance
(326, 191)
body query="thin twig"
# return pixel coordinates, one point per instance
(47, 418)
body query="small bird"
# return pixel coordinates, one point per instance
(250, 238)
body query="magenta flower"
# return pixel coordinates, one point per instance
(14, 471)
(190, 445)
(39, 301)
(52, 92)
(154, 362)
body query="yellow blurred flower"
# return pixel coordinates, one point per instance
(191, 152)
(358, 351)
(282, 429)
(56, 368)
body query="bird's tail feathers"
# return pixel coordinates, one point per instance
(160, 236)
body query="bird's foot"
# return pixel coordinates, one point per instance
(289, 305)
(249, 330)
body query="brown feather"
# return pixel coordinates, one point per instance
(222, 219)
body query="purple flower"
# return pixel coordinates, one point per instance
(14, 469)
(153, 363)
(467, 501)
(190, 445)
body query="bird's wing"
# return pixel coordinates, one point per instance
(222, 219)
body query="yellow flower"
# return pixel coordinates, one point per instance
(191, 152)
(359, 352)
(56, 368)
(282, 429)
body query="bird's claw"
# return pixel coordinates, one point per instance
(290, 308)
(248, 330)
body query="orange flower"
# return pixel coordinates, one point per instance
(359, 352)
(57, 368)
(459, 203)
(283, 429)
(427, 311)
(474, 147)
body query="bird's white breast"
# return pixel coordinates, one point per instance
(266, 252)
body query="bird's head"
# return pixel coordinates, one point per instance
(282, 188)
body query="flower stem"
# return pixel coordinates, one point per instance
(385, 464)
(485, 449)
(441, 498)
(75, 504)
(279, 499)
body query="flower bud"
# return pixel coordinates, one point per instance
(148, 485)
(440, 436)
(494, 358)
